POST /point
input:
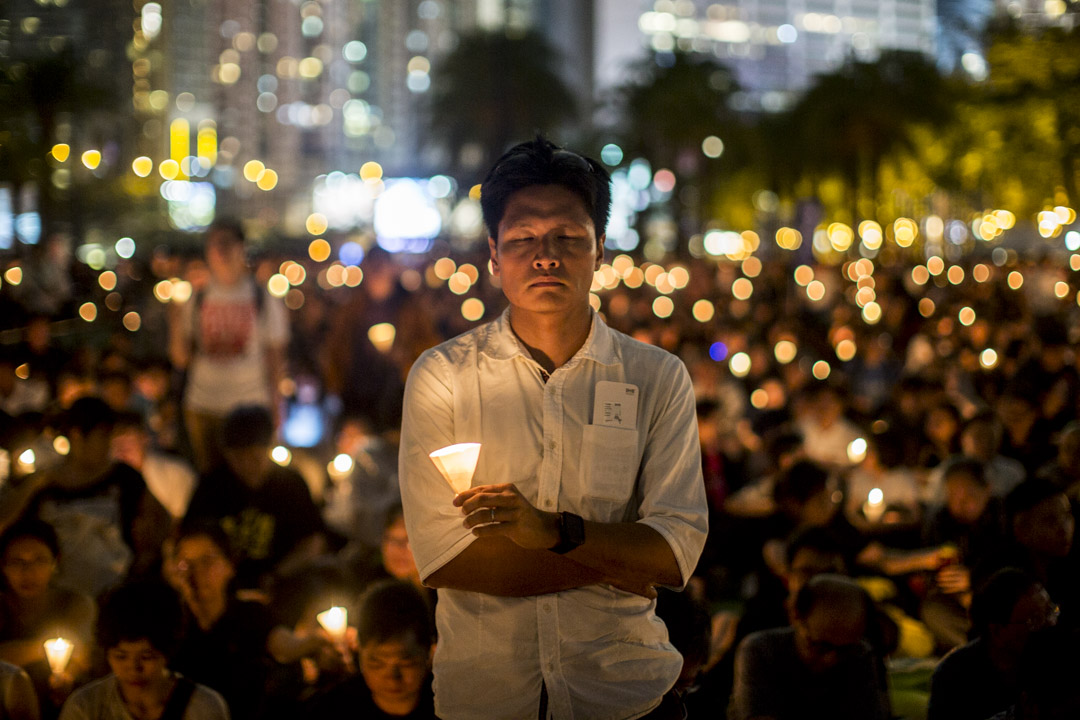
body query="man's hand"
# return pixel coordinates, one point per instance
(502, 510)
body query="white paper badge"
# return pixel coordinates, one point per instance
(615, 405)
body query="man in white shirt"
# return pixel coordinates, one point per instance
(588, 492)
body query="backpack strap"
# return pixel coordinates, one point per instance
(179, 699)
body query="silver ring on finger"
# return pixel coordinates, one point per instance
(492, 514)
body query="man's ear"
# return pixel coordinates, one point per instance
(492, 245)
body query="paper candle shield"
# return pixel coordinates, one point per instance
(58, 651)
(334, 621)
(457, 463)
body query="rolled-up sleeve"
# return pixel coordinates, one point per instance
(670, 483)
(436, 532)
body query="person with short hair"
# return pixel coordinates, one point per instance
(396, 641)
(822, 666)
(589, 488)
(139, 630)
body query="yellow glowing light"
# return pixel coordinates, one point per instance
(712, 146)
(181, 290)
(840, 236)
(310, 67)
(871, 313)
(935, 265)
(353, 276)
(316, 224)
(1004, 219)
(60, 151)
(1015, 280)
(61, 445)
(473, 309)
(679, 277)
(23, 371)
(142, 166)
(267, 180)
(457, 463)
(335, 275)
(662, 307)
(981, 273)
(759, 398)
(91, 159)
(474, 193)
(652, 273)
(704, 311)
(277, 285)
(789, 238)
(459, 283)
(634, 278)
(785, 351)
(169, 169)
(179, 139)
(444, 268)
(206, 142)
(815, 290)
(1061, 289)
(163, 291)
(594, 302)
(988, 358)
(955, 275)
(926, 307)
(864, 296)
(739, 364)
(107, 280)
(871, 234)
(296, 274)
(966, 316)
(856, 451)
(470, 272)
(804, 275)
(371, 171)
(252, 170)
(905, 231)
(132, 321)
(622, 264)
(341, 465)
(742, 289)
(88, 311)
(319, 250)
(845, 350)
(58, 653)
(382, 336)
(920, 275)
(821, 370)
(664, 284)
(281, 455)
(1065, 215)
(228, 73)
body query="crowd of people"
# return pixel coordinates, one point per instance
(891, 533)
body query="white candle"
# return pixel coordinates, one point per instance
(58, 651)
(457, 463)
(874, 507)
(334, 621)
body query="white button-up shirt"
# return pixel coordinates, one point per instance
(600, 652)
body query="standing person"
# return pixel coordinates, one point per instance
(588, 492)
(230, 337)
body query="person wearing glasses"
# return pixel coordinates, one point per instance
(588, 493)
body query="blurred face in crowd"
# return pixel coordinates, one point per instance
(397, 555)
(250, 464)
(204, 568)
(808, 563)
(91, 448)
(1033, 611)
(28, 566)
(980, 441)
(1048, 527)
(965, 497)
(129, 446)
(395, 671)
(546, 251)
(137, 665)
(829, 633)
(225, 256)
(940, 426)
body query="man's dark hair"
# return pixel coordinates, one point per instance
(229, 226)
(86, 415)
(994, 600)
(141, 611)
(210, 530)
(541, 162)
(832, 590)
(968, 467)
(31, 527)
(800, 482)
(1028, 494)
(392, 609)
(247, 426)
(818, 539)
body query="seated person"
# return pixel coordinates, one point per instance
(108, 523)
(169, 478)
(34, 609)
(266, 510)
(822, 666)
(227, 642)
(138, 630)
(397, 642)
(356, 502)
(979, 679)
(1048, 672)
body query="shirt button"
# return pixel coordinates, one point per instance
(552, 445)
(547, 609)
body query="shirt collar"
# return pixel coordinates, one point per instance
(500, 342)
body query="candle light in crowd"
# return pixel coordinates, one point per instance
(856, 450)
(334, 621)
(58, 651)
(874, 507)
(457, 463)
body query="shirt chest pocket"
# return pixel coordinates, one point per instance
(609, 465)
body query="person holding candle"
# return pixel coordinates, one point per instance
(33, 609)
(588, 491)
(138, 629)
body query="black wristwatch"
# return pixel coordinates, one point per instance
(571, 533)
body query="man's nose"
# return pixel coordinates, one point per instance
(547, 257)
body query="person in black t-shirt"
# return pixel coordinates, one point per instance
(266, 510)
(397, 641)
